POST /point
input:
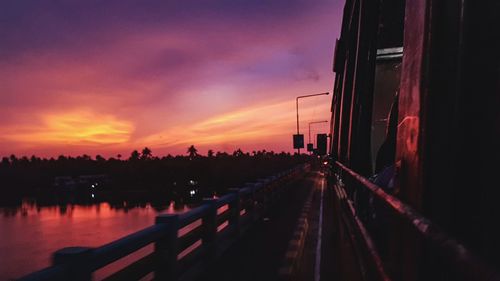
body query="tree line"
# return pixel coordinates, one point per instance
(141, 173)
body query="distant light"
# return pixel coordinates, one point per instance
(93, 196)
(192, 192)
(92, 186)
(192, 182)
(325, 162)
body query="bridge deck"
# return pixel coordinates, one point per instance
(260, 252)
(309, 268)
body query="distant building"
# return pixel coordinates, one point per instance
(65, 182)
(81, 182)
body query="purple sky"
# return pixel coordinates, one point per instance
(108, 77)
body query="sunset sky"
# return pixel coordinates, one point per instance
(109, 76)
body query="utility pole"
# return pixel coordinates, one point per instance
(315, 122)
(297, 106)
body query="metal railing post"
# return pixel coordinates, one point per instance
(166, 248)
(209, 222)
(234, 208)
(76, 261)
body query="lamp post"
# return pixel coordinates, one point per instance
(297, 105)
(315, 122)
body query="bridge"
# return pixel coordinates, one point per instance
(263, 230)
(300, 224)
(409, 189)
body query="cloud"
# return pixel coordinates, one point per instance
(149, 67)
(239, 128)
(81, 127)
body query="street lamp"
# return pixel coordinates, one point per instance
(315, 122)
(297, 105)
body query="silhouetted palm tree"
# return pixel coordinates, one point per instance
(221, 171)
(134, 155)
(13, 158)
(210, 153)
(238, 153)
(146, 153)
(192, 151)
(34, 159)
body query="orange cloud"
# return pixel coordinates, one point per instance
(77, 127)
(258, 123)
(165, 82)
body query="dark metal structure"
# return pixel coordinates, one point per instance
(415, 128)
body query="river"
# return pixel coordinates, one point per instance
(30, 234)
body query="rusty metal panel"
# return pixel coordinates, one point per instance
(410, 133)
(412, 87)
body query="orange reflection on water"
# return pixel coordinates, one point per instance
(30, 234)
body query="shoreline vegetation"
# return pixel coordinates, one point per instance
(141, 178)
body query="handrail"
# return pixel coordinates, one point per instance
(55, 272)
(78, 263)
(430, 231)
(246, 190)
(370, 245)
(225, 199)
(117, 249)
(193, 215)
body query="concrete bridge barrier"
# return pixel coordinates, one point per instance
(184, 245)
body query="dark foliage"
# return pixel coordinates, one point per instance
(142, 176)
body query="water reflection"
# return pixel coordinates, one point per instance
(31, 232)
(29, 207)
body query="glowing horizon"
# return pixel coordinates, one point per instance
(221, 76)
